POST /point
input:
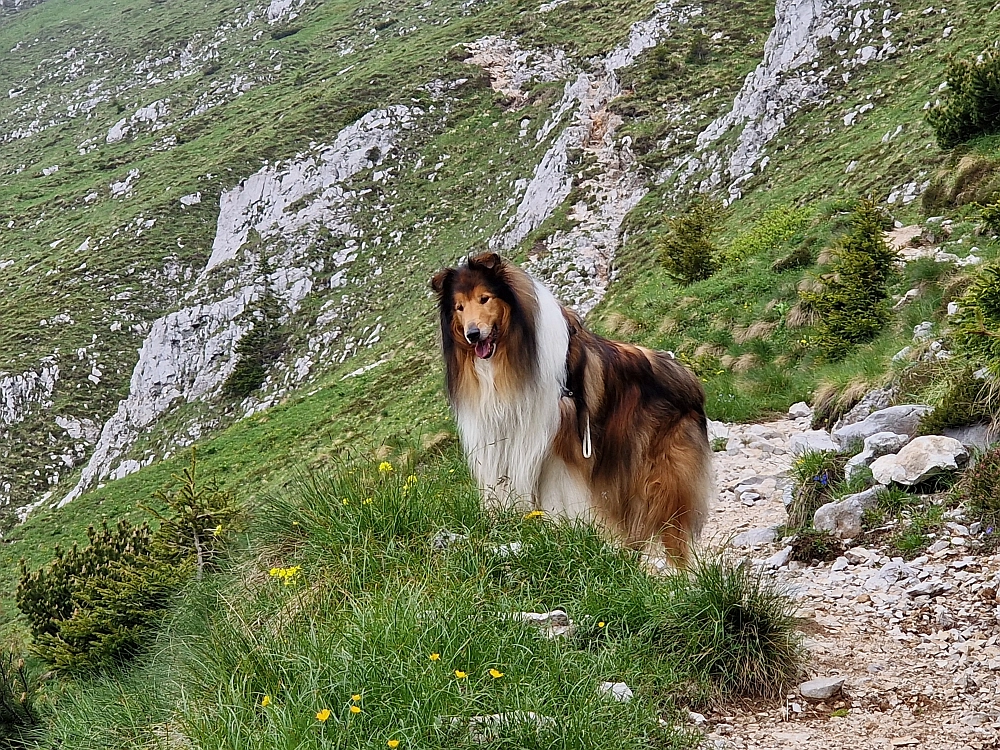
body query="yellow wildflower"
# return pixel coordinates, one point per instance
(323, 715)
(411, 480)
(496, 674)
(345, 501)
(355, 709)
(355, 698)
(534, 514)
(218, 530)
(600, 624)
(265, 701)
(393, 744)
(366, 501)
(460, 674)
(435, 656)
(385, 467)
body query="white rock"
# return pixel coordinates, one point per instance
(800, 409)
(755, 537)
(922, 459)
(779, 559)
(879, 444)
(843, 517)
(617, 690)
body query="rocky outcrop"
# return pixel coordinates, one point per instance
(876, 446)
(788, 78)
(188, 354)
(28, 390)
(579, 262)
(843, 518)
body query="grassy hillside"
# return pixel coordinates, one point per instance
(199, 97)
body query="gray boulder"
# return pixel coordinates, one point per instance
(812, 441)
(879, 444)
(920, 460)
(822, 688)
(978, 436)
(843, 517)
(901, 420)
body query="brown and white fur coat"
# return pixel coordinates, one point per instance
(555, 418)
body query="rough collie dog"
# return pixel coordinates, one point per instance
(553, 417)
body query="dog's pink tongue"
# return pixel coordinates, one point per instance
(483, 349)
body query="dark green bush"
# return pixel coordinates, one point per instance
(18, 693)
(97, 606)
(853, 303)
(971, 106)
(989, 217)
(688, 251)
(976, 330)
(260, 347)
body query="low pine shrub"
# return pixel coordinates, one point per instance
(97, 606)
(971, 106)
(18, 693)
(852, 303)
(735, 626)
(989, 217)
(976, 326)
(688, 252)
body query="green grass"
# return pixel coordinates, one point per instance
(375, 609)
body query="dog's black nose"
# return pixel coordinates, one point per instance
(472, 334)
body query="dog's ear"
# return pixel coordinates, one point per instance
(439, 279)
(490, 261)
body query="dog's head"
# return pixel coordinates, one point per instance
(475, 301)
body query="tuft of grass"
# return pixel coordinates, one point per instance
(915, 536)
(816, 475)
(736, 626)
(979, 487)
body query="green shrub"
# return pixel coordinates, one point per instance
(735, 626)
(976, 330)
(959, 400)
(688, 252)
(262, 345)
(812, 544)
(979, 488)
(770, 231)
(915, 535)
(97, 606)
(971, 106)
(989, 217)
(852, 304)
(18, 693)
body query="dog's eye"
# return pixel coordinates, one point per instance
(459, 308)
(483, 300)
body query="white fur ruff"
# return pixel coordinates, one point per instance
(508, 437)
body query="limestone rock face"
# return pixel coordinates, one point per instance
(188, 353)
(922, 459)
(25, 391)
(901, 420)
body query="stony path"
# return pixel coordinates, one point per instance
(916, 642)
